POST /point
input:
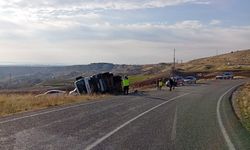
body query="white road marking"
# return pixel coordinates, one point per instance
(173, 134)
(98, 141)
(47, 112)
(223, 130)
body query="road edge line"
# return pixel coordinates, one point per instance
(100, 140)
(229, 143)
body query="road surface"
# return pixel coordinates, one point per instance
(191, 117)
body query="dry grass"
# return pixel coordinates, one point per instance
(237, 61)
(15, 103)
(243, 102)
(240, 77)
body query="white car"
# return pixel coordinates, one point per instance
(225, 75)
(53, 93)
(190, 80)
(73, 92)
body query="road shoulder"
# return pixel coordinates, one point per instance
(239, 136)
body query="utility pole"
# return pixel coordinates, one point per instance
(173, 69)
(10, 79)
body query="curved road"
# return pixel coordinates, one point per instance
(191, 117)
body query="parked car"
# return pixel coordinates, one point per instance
(53, 93)
(190, 80)
(179, 81)
(167, 83)
(73, 92)
(225, 75)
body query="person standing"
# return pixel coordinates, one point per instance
(171, 84)
(125, 83)
(160, 84)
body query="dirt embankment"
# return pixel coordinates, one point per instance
(241, 104)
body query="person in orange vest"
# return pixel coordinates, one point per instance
(125, 84)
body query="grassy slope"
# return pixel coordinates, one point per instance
(239, 60)
(15, 103)
(139, 78)
(243, 103)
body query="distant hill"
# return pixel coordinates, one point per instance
(234, 61)
(16, 77)
(12, 77)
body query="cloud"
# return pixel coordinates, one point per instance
(67, 12)
(188, 24)
(79, 31)
(104, 4)
(33, 15)
(215, 22)
(125, 43)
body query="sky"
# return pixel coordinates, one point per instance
(67, 32)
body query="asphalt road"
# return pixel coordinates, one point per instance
(189, 118)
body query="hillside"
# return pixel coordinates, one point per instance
(234, 61)
(16, 77)
(45, 77)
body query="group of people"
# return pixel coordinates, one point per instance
(170, 83)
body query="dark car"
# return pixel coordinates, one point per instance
(190, 80)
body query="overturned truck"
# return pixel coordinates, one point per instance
(99, 83)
